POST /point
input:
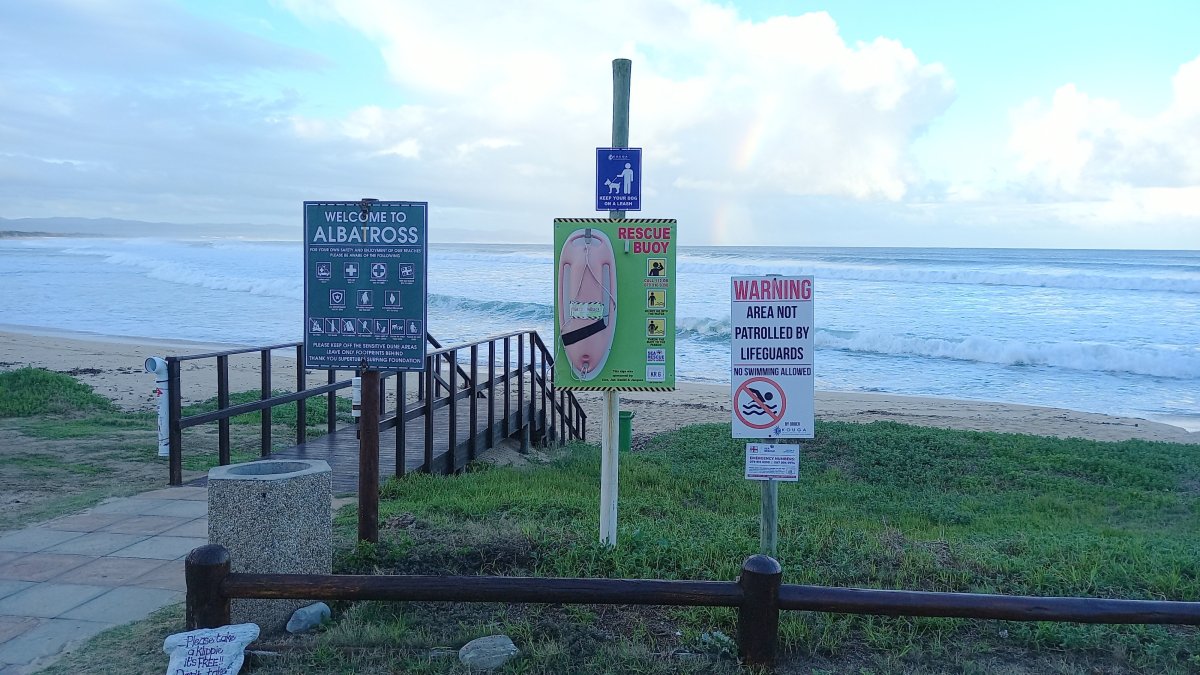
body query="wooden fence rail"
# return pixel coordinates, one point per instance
(435, 390)
(758, 594)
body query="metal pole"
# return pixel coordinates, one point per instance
(622, 69)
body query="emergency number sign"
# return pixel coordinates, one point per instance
(771, 356)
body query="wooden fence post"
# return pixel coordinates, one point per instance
(758, 616)
(204, 570)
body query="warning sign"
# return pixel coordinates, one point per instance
(771, 356)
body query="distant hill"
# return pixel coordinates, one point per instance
(115, 227)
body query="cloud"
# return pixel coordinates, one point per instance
(727, 108)
(1080, 150)
(144, 40)
(745, 122)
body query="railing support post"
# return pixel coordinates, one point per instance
(758, 617)
(204, 570)
(266, 412)
(174, 415)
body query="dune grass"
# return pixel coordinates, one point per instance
(882, 505)
(26, 392)
(66, 447)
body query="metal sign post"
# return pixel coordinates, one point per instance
(365, 308)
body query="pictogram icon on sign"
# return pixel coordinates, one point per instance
(378, 271)
(759, 403)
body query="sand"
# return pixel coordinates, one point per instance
(114, 368)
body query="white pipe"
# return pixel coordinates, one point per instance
(158, 366)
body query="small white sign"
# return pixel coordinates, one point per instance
(765, 461)
(209, 651)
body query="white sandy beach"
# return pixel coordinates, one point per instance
(114, 368)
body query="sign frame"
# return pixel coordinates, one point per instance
(773, 461)
(351, 250)
(771, 350)
(625, 194)
(636, 320)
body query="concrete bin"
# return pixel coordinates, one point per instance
(274, 516)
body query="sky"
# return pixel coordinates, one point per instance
(924, 123)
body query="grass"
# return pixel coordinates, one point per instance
(27, 392)
(882, 505)
(66, 447)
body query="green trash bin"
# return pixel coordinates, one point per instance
(626, 435)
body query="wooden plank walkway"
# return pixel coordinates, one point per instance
(340, 448)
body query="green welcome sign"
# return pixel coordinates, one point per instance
(365, 284)
(614, 303)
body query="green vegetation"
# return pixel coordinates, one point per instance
(34, 391)
(70, 447)
(881, 505)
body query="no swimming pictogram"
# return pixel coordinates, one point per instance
(759, 403)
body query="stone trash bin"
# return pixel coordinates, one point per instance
(274, 516)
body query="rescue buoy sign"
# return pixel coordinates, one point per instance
(614, 304)
(771, 356)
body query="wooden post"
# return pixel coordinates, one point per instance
(331, 403)
(223, 403)
(491, 394)
(522, 426)
(265, 435)
(507, 426)
(758, 616)
(609, 443)
(203, 570)
(368, 458)
(174, 415)
(768, 526)
(473, 443)
(452, 414)
(301, 404)
(401, 424)
(431, 365)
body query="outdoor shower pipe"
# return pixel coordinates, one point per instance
(158, 366)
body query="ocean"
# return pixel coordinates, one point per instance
(1114, 332)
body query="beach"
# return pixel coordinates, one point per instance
(114, 368)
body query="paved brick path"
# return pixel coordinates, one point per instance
(64, 581)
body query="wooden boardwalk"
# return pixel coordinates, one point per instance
(463, 411)
(340, 448)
